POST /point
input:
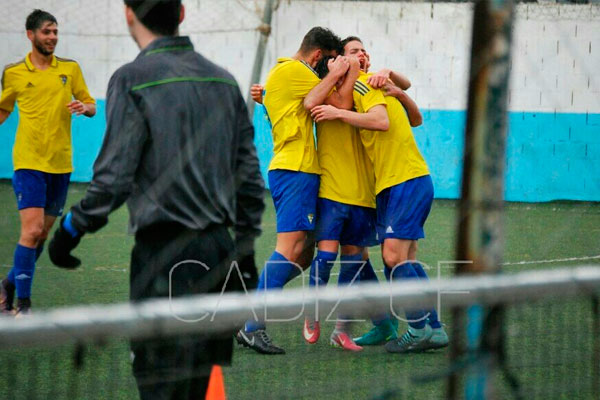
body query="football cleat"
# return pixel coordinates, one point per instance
(311, 331)
(7, 297)
(438, 339)
(343, 341)
(379, 334)
(413, 341)
(23, 308)
(258, 341)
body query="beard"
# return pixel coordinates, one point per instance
(41, 48)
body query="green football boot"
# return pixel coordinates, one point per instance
(413, 341)
(438, 339)
(379, 334)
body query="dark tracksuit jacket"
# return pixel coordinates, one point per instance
(179, 150)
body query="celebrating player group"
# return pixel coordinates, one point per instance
(366, 184)
(178, 148)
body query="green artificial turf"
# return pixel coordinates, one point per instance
(550, 344)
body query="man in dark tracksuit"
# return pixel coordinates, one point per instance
(179, 149)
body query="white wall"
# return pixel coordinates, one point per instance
(94, 33)
(555, 58)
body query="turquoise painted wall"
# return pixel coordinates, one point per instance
(87, 134)
(549, 156)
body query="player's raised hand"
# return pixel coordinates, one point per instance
(338, 66)
(354, 69)
(379, 79)
(256, 92)
(77, 107)
(324, 113)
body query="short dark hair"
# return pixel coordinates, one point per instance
(159, 16)
(320, 38)
(36, 19)
(348, 40)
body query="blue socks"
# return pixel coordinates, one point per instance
(387, 272)
(38, 251)
(349, 271)
(406, 271)
(368, 273)
(23, 267)
(275, 273)
(349, 268)
(320, 268)
(434, 321)
(11, 273)
(273, 276)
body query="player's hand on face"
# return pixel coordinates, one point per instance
(256, 91)
(368, 63)
(354, 69)
(354, 63)
(379, 79)
(76, 107)
(338, 66)
(324, 113)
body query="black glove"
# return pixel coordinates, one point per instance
(61, 245)
(249, 272)
(244, 245)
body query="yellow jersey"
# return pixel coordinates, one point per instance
(287, 85)
(394, 153)
(43, 138)
(346, 171)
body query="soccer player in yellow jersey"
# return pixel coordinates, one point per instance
(291, 90)
(47, 89)
(403, 188)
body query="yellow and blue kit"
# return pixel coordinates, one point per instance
(346, 203)
(402, 183)
(294, 170)
(43, 138)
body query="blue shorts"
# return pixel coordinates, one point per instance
(41, 190)
(402, 209)
(351, 225)
(295, 197)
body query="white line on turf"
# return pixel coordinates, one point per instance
(556, 260)
(550, 261)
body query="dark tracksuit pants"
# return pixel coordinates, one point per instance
(179, 367)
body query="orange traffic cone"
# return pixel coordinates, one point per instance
(216, 385)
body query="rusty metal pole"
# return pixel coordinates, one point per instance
(596, 347)
(265, 32)
(480, 224)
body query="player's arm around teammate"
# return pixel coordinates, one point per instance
(381, 77)
(292, 87)
(412, 110)
(3, 115)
